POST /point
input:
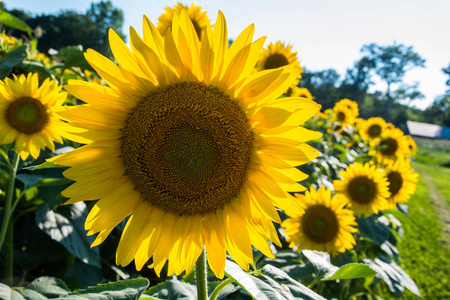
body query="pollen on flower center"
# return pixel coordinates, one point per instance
(320, 224)
(362, 189)
(187, 147)
(275, 60)
(27, 115)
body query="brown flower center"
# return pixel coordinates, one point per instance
(187, 148)
(374, 131)
(362, 189)
(27, 115)
(320, 224)
(395, 182)
(275, 60)
(388, 146)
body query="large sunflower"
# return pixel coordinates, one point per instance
(402, 181)
(199, 19)
(365, 187)
(372, 128)
(391, 145)
(323, 224)
(189, 142)
(28, 114)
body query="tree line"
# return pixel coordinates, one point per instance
(378, 63)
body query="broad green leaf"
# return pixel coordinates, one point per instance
(73, 56)
(124, 289)
(376, 231)
(29, 294)
(35, 67)
(321, 263)
(283, 283)
(246, 281)
(14, 22)
(11, 59)
(31, 180)
(66, 226)
(352, 271)
(394, 276)
(172, 289)
(49, 286)
(5, 292)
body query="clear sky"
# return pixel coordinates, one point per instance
(325, 33)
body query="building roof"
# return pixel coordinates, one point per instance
(428, 130)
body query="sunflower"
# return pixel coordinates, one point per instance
(191, 143)
(295, 91)
(199, 19)
(391, 145)
(323, 224)
(349, 104)
(277, 55)
(365, 187)
(372, 128)
(345, 112)
(412, 147)
(402, 181)
(29, 114)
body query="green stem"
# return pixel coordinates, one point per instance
(9, 198)
(220, 287)
(7, 232)
(200, 271)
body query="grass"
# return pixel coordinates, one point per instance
(425, 247)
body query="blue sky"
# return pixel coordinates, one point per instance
(325, 33)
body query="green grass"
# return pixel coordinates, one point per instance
(425, 249)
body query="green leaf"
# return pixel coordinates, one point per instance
(45, 165)
(86, 275)
(13, 22)
(31, 180)
(246, 281)
(11, 59)
(5, 292)
(352, 271)
(49, 286)
(374, 230)
(35, 67)
(173, 289)
(29, 294)
(285, 284)
(124, 289)
(321, 262)
(66, 226)
(73, 56)
(394, 276)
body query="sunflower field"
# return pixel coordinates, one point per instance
(190, 166)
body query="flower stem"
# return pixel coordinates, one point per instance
(200, 271)
(9, 198)
(7, 230)
(220, 287)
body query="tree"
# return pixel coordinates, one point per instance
(390, 64)
(71, 28)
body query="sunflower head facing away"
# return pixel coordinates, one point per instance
(190, 143)
(365, 187)
(28, 114)
(198, 18)
(402, 181)
(323, 224)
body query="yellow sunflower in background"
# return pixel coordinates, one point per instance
(295, 91)
(323, 224)
(28, 114)
(372, 128)
(402, 181)
(277, 55)
(365, 187)
(412, 147)
(349, 104)
(391, 145)
(199, 19)
(345, 111)
(191, 143)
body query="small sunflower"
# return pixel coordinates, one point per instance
(323, 224)
(277, 55)
(391, 145)
(365, 187)
(343, 115)
(199, 19)
(295, 91)
(402, 181)
(349, 104)
(29, 114)
(372, 128)
(412, 147)
(191, 143)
